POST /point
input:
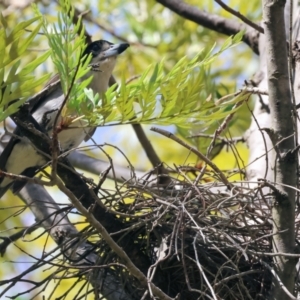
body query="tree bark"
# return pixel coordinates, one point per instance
(274, 117)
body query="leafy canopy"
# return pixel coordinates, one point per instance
(67, 42)
(16, 83)
(173, 97)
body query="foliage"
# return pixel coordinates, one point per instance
(16, 85)
(67, 43)
(174, 97)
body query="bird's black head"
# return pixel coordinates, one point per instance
(102, 49)
(104, 56)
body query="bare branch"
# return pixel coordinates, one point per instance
(211, 21)
(240, 16)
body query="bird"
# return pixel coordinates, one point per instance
(19, 156)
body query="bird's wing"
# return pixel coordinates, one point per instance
(35, 101)
(33, 104)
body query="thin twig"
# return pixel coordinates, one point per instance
(200, 155)
(281, 284)
(240, 16)
(112, 244)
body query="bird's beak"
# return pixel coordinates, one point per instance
(115, 50)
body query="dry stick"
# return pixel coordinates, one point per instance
(239, 275)
(263, 138)
(27, 230)
(199, 154)
(14, 237)
(240, 16)
(112, 244)
(284, 288)
(201, 269)
(40, 261)
(245, 90)
(233, 140)
(34, 180)
(223, 126)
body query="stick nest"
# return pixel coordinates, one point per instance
(203, 240)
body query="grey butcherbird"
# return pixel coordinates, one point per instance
(19, 156)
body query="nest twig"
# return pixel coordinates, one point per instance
(205, 241)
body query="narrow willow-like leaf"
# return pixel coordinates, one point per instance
(31, 66)
(66, 41)
(17, 86)
(177, 97)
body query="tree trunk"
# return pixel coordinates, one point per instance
(278, 159)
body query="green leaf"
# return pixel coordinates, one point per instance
(31, 66)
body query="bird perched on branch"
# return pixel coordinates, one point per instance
(19, 156)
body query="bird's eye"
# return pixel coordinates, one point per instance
(93, 48)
